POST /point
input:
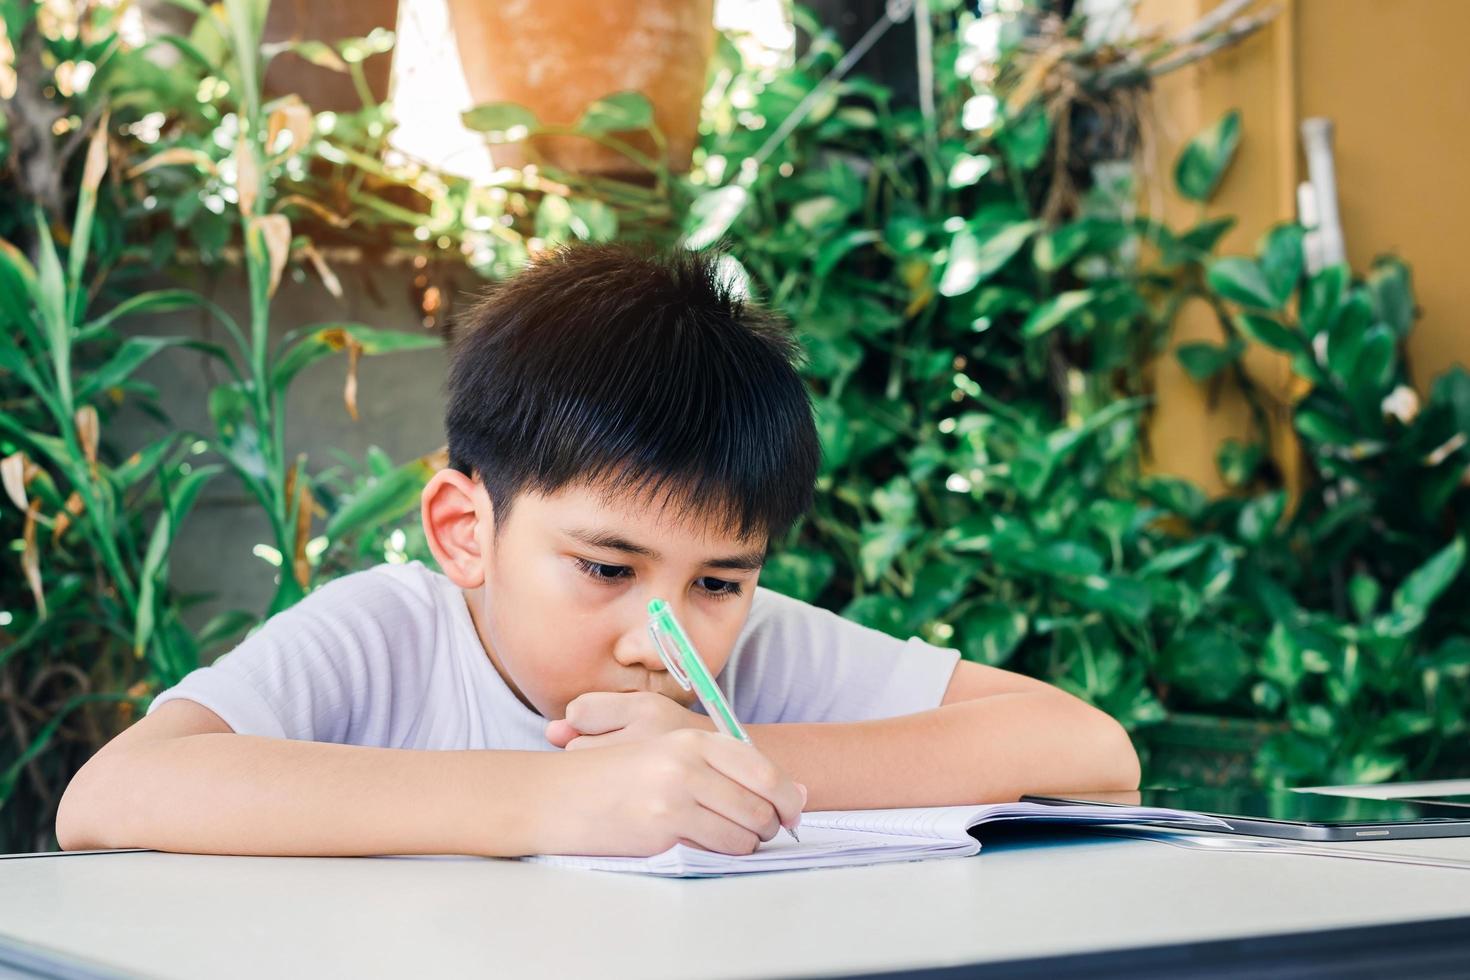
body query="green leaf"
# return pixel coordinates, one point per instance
(144, 462)
(815, 212)
(1025, 139)
(1176, 496)
(1282, 261)
(554, 219)
(1281, 660)
(1170, 559)
(1242, 280)
(130, 356)
(895, 501)
(973, 533)
(1391, 285)
(1323, 295)
(592, 220)
(1374, 371)
(1259, 517)
(881, 544)
(1364, 592)
(712, 213)
(1203, 162)
(801, 573)
(881, 612)
(1318, 426)
(1056, 248)
(834, 251)
(1429, 580)
(1055, 558)
(975, 255)
(1371, 767)
(1202, 361)
(938, 586)
(1264, 330)
(1203, 237)
(615, 113)
(967, 169)
(1116, 595)
(229, 407)
(1238, 461)
(329, 338)
(225, 626)
(317, 52)
(1207, 663)
(381, 501)
(989, 634)
(501, 122)
(1054, 311)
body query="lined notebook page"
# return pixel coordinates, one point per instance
(944, 822)
(839, 838)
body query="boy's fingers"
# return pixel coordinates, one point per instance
(560, 732)
(598, 712)
(715, 832)
(750, 768)
(717, 792)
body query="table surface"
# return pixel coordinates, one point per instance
(177, 915)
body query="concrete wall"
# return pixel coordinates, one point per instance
(400, 404)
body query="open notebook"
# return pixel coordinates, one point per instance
(840, 838)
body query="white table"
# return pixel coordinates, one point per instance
(172, 915)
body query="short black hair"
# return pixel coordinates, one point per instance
(632, 369)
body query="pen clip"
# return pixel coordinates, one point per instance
(670, 659)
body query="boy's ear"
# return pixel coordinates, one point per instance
(458, 522)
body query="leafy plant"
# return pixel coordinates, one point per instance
(97, 621)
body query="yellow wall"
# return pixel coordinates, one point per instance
(1394, 79)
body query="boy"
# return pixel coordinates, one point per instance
(621, 428)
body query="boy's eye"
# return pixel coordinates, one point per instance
(603, 572)
(719, 587)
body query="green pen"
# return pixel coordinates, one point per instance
(688, 668)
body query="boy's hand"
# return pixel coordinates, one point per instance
(691, 787)
(601, 718)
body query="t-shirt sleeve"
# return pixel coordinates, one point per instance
(795, 662)
(324, 670)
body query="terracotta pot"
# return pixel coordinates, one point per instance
(555, 57)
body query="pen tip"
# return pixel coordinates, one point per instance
(793, 835)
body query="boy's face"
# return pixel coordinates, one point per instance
(564, 606)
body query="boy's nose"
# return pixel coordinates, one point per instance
(635, 648)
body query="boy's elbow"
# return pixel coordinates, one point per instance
(1120, 769)
(77, 824)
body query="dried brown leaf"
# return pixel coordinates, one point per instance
(96, 155)
(276, 230)
(315, 207)
(171, 156)
(89, 431)
(299, 563)
(349, 391)
(74, 508)
(294, 116)
(30, 558)
(13, 474)
(328, 277)
(247, 175)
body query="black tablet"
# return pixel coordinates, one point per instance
(1293, 815)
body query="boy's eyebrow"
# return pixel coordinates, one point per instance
(747, 561)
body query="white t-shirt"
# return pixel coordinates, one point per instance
(390, 657)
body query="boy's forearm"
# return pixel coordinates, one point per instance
(987, 750)
(221, 793)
